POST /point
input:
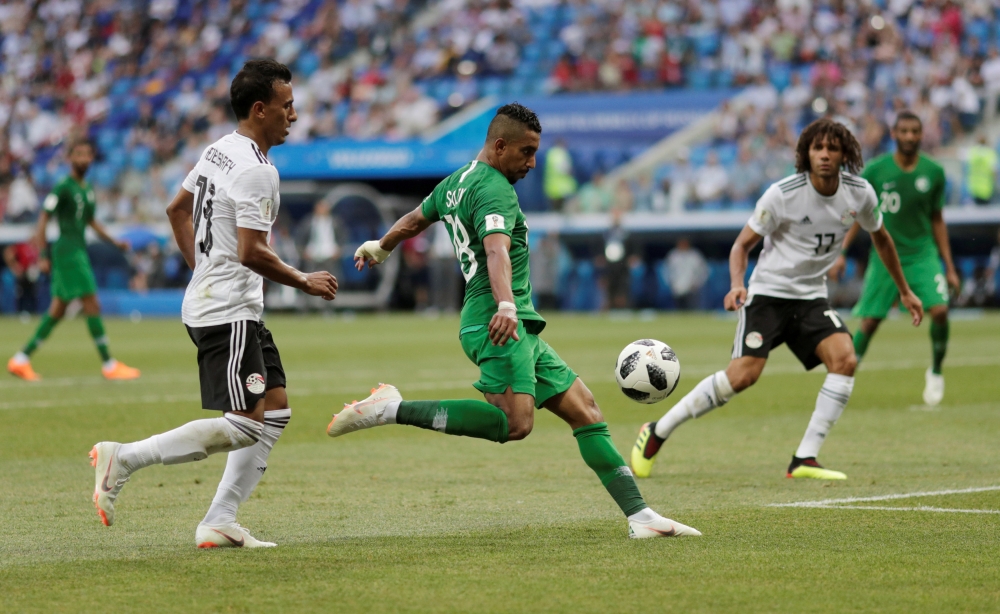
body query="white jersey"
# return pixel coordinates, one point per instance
(234, 186)
(803, 231)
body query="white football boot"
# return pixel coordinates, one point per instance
(659, 527)
(110, 476)
(933, 388)
(363, 414)
(228, 535)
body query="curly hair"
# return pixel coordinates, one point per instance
(510, 116)
(832, 131)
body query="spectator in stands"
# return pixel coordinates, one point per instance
(990, 71)
(593, 197)
(622, 200)
(22, 199)
(975, 290)
(545, 270)
(22, 260)
(413, 112)
(747, 177)
(661, 196)
(642, 192)
(711, 181)
(616, 270)
(444, 273)
(321, 251)
(559, 182)
(982, 171)
(687, 272)
(502, 56)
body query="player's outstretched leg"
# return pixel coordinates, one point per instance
(244, 469)
(712, 392)
(20, 364)
(578, 408)
(467, 417)
(114, 463)
(934, 377)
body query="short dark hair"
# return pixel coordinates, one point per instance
(907, 115)
(255, 82)
(833, 131)
(80, 141)
(510, 116)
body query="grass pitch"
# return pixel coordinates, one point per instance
(399, 519)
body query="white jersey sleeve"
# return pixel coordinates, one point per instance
(869, 215)
(254, 194)
(768, 212)
(190, 182)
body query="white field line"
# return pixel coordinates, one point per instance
(840, 503)
(922, 508)
(792, 369)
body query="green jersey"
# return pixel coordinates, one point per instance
(73, 205)
(907, 200)
(475, 201)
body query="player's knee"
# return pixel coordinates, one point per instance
(939, 315)
(275, 398)
(844, 365)
(743, 379)
(519, 427)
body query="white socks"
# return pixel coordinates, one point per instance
(192, 442)
(711, 392)
(830, 403)
(244, 469)
(389, 414)
(644, 515)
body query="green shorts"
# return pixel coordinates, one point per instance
(529, 366)
(72, 276)
(926, 279)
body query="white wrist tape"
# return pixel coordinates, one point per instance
(507, 306)
(371, 250)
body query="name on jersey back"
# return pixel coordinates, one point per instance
(219, 159)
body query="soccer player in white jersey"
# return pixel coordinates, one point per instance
(221, 218)
(802, 219)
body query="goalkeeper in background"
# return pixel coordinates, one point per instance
(72, 204)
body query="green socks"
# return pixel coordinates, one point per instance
(939, 344)
(600, 454)
(466, 417)
(41, 333)
(861, 340)
(96, 328)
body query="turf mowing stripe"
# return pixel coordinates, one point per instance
(834, 502)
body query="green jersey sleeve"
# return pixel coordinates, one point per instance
(51, 202)
(495, 210)
(938, 195)
(428, 208)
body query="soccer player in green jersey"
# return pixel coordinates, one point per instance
(72, 203)
(911, 194)
(499, 326)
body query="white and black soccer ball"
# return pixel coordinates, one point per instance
(647, 371)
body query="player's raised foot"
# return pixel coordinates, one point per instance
(110, 476)
(809, 468)
(118, 370)
(228, 535)
(20, 366)
(363, 414)
(644, 451)
(658, 526)
(933, 388)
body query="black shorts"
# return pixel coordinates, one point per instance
(237, 364)
(765, 322)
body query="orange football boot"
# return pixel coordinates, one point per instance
(120, 371)
(22, 370)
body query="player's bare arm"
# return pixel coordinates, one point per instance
(180, 212)
(840, 265)
(406, 227)
(503, 325)
(256, 254)
(739, 258)
(102, 232)
(940, 230)
(887, 252)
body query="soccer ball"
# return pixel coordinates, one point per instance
(647, 371)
